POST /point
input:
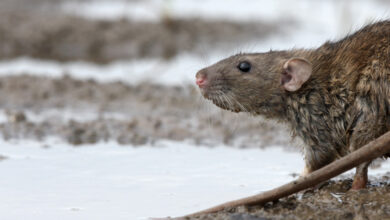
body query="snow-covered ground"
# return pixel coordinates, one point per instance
(326, 12)
(63, 115)
(173, 72)
(52, 180)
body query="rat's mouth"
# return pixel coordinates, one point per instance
(222, 99)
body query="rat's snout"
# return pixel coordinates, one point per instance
(201, 78)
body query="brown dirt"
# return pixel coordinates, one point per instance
(3, 157)
(151, 112)
(333, 200)
(48, 34)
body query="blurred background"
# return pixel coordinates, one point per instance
(100, 117)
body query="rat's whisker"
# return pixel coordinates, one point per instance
(242, 107)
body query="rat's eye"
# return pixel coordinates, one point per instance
(244, 66)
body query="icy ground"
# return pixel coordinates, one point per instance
(106, 181)
(52, 180)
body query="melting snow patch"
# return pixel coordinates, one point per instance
(107, 181)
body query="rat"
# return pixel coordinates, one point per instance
(336, 97)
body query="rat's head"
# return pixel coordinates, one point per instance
(250, 82)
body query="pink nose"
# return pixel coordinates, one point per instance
(200, 80)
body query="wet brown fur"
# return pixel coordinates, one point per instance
(344, 104)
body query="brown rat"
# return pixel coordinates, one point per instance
(335, 97)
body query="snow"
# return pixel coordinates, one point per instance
(52, 180)
(179, 70)
(65, 115)
(332, 17)
(249, 10)
(107, 181)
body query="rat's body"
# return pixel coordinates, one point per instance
(336, 97)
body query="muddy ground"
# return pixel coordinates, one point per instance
(147, 112)
(139, 115)
(332, 200)
(144, 114)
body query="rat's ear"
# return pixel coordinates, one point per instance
(296, 71)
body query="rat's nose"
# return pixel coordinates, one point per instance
(200, 79)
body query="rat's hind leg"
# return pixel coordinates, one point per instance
(367, 129)
(360, 179)
(359, 139)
